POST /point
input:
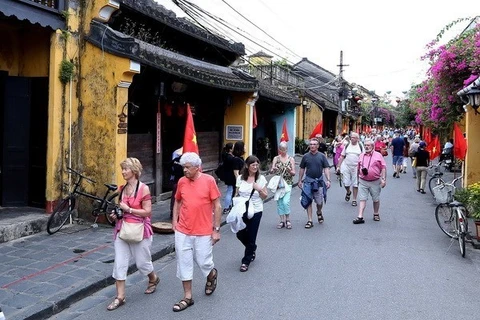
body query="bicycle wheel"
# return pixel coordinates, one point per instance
(462, 230)
(112, 201)
(445, 219)
(60, 215)
(433, 182)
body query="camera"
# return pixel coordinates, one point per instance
(118, 212)
(364, 171)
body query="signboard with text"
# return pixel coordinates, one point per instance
(234, 132)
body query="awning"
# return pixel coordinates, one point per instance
(170, 62)
(35, 14)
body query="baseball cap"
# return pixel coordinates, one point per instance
(422, 144)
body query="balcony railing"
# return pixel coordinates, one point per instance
(50, 5)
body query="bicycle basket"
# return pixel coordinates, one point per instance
(443, 193)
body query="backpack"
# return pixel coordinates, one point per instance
(361, 147)
(220, 172)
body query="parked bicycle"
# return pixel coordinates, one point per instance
(451, 215)
(66, 207)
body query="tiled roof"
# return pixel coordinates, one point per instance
(260, 54)
(158, 12)
(170, 62)
(276, 94)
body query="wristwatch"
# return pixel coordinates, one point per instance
(216, 228)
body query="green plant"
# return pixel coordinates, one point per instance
(470, 197)
(67, 71)
(300, 145)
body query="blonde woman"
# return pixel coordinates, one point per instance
(136, 203)
(284, 165)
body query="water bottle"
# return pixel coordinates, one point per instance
(2, 316)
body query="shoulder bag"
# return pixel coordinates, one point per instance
(131, 232)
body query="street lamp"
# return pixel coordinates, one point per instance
(472, 92)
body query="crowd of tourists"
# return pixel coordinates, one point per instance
(359, 160)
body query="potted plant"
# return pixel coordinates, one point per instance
(470, 197)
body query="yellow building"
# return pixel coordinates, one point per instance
(90, 87)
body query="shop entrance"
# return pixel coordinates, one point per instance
(23, 140)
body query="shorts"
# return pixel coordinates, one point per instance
(397, 160)
(372, 188)
(193, 248)
(350, 176)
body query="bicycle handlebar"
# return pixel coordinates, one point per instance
(79, 174)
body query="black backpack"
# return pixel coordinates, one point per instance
(220, 172)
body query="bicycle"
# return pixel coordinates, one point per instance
(451, 215)
(66, 207)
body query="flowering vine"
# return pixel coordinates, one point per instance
(451, 66)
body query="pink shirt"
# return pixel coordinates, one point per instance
(374, 162)
(136, 203)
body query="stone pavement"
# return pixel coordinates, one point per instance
(41, 275)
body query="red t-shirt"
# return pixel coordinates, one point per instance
(195, 217)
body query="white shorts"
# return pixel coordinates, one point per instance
(193, 248)
(350, 176)
(140, 253)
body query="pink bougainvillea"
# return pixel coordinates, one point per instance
(452, 66)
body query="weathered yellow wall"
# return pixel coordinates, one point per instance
(239, 114)
(260, 61)
(313, 116)
(299, 128)
(472, 161)
(24, 51)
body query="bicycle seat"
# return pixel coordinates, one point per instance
(455, 204)
(438, 174)
(111, 187)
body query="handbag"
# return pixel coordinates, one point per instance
(131, 232)
(414, 163)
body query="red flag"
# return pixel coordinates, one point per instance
(284, 136)
(434, 148)
(254, 121)
(190, 137)
(317, 130)
(459, 143)
(427, 136)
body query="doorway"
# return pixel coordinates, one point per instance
(23, 140)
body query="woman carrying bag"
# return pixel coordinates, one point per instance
(251, 180)
(284, 165)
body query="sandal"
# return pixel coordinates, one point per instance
(308, 225)
(211, 284)
(281, 225)
(253, 256)
(358, 220)
(376, 217)
(183, 304)
(244, 267)
(152, 285)
(288, 224)
(347, 196)
(354, 203)
(116, 304)
(320, 217)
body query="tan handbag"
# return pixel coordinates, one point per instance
(414, 163)
(131, 232)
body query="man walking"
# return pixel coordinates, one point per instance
(196, 229)
(397, 146)
(314, 188)
(372, 178)
(348, 166)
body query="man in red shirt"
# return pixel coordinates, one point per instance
(196, 228)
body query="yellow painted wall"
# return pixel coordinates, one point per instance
(24, 50)
(299, 129)
(260, 61)
(472, 161)
(239, 114)
(313, 116)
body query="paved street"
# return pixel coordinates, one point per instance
(399, 268)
